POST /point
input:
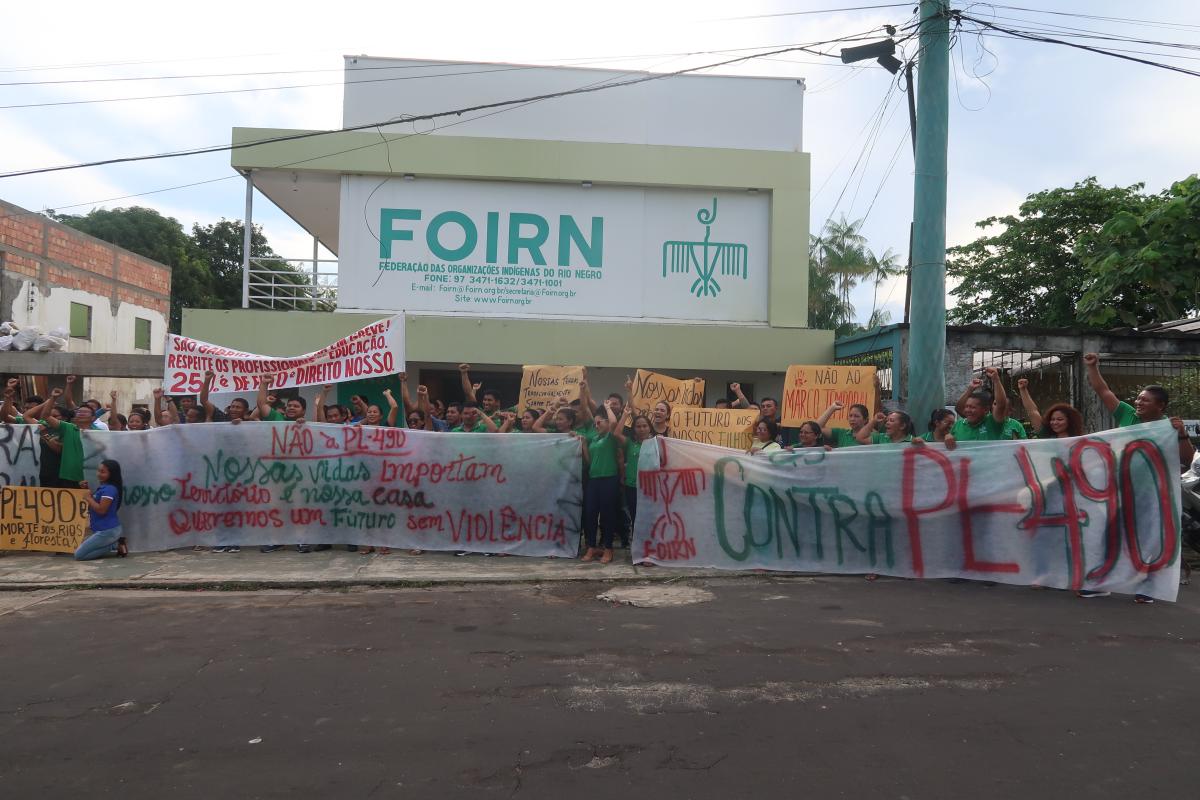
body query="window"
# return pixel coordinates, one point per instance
(141, 334)
(81, 321)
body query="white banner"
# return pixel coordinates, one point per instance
(288, 483)
(1095, 512)
(375, 350)
(536, 249)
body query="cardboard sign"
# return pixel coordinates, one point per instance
(724, 427)
(371, 352)
(543, 386)
(810, 389)
(989, 511)
(37, 518)
(651, 387)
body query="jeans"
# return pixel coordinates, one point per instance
(97, 544)
(601, 498)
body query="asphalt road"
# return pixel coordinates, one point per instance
(828, 687)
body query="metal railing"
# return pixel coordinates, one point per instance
(292, 284)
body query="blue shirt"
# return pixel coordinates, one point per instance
(108, 521)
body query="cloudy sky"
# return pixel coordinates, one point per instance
(1024, 116)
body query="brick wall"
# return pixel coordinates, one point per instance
(40, 249)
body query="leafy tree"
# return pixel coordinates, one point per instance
(222, 242)
(1029, 273)
(1145, 267)
(146, 232)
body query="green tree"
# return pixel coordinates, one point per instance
(1145, 267)
(221, 244)
(146, 232)
(1028, 273)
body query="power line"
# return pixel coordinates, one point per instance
(807, 13)
(432, 116)
(1150, 23)
(1101, 51)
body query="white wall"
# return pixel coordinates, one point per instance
(688, 111)
(111, 333)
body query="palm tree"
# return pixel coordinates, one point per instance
(844, 254)
(879, 268)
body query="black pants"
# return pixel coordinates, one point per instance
(601, 501)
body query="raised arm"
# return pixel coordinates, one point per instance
(405, 397)
(393, 408)
(319, 403)
(263, 404)
(975, 385)
(1031, 407)
(1091, 362)
(741, 401)
(210, 378)
(464, 374)
(509, 418)
(8, 411)
(33, 415)
(69, 392)
(585, 396)
(999, 396)
(823, 420)
(157, 408)
(423, 406)
(614, 424)
(540, 425)
(488, 423)
(863, 434)
(114, 419)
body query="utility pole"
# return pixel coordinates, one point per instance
(927, 331)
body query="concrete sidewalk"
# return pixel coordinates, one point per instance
(287, 568)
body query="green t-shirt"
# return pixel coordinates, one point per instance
(1013, 429)
(843, 437)
(1125, 415)
(633, 451)
(883, 438)
(71, 466)
(588, 432)
(275, 416)
(480, 427)
(602, 455)
(988, 430)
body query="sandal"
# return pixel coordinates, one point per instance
(122, 548)
(590, 555)
(365, 550)
(415, 552)
(607, 557)
(383, 551)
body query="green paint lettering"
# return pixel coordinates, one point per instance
(568, 233)
(518, 242)
(433, 236)
(387, 234)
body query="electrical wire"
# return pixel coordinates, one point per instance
(807, 13)
(1018, 34)
(431, 116)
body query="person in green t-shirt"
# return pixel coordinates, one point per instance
(293, 410)
(898, 428)
(473, 421)
(601, 494)
(975, 423)
(1150, 405)
(642, 430)
(857, 416)
(62, 447)
(941, 423)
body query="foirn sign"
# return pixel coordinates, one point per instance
(531, 250)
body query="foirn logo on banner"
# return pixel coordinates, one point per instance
(454, 236)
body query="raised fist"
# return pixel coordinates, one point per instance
(992, 373)
(1022, 383)
(422, 391)
(464, 367)
(1091, 359)
(56, 392)
(72, 378)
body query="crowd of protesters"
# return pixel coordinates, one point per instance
(611, 433)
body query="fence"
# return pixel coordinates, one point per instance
(292, 284)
